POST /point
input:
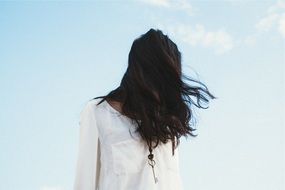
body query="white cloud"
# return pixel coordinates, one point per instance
(51, 188)
(267, 22)
(219, 40)
(183, 5)
(279, 5)
(274, 18)
(281, 23)
(163, 3)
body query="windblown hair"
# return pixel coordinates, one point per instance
(152, 91)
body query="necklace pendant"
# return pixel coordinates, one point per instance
(151, 162)
(155, 178)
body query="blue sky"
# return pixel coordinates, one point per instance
(55, 56)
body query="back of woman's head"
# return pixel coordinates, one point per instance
(152, 91)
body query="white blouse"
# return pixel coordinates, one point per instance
(109, 158)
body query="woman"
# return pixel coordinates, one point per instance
(129, 138)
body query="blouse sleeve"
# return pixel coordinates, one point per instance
(88, 159)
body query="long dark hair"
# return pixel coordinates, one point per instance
(152, 91)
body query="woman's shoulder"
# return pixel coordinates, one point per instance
(94, 102)
(91, 105)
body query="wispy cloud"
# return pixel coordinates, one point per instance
(281, 27)
(163, 3)
(220, 40)
(273, 20)
(267, 22)
(51, 188)
(279, 5)
(193, 34)
(183, 5)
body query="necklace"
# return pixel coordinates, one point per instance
(151, 162)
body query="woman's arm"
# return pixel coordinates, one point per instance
(88, 160)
